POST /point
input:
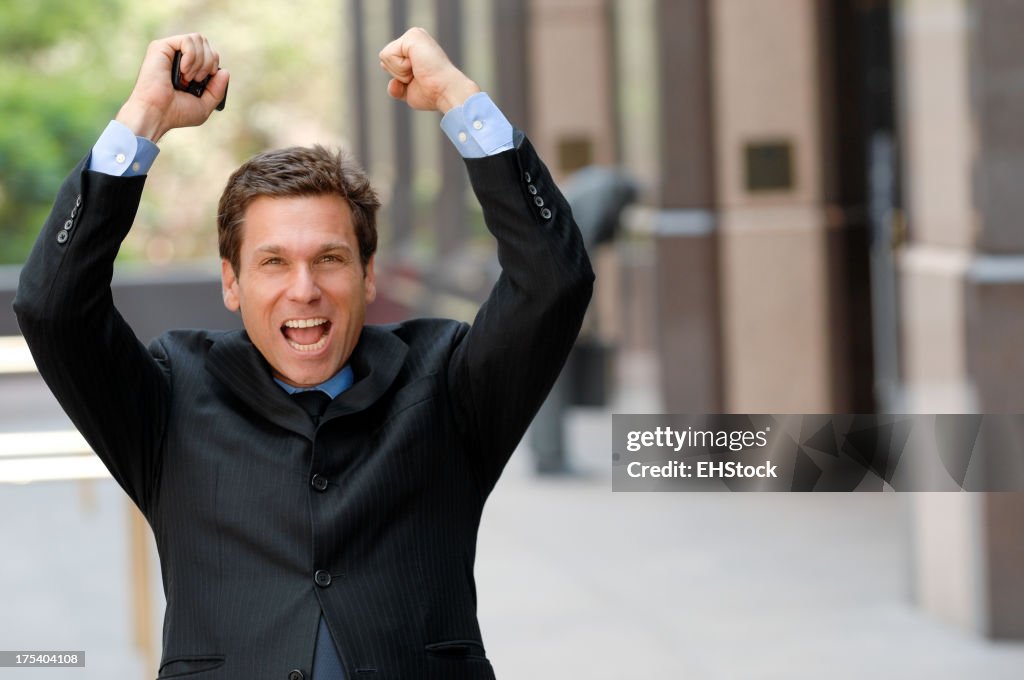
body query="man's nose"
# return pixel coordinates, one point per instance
(303, 286)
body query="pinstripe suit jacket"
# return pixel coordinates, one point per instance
(220, 460)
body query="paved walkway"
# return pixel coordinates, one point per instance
(573, 580)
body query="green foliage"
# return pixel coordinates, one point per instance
(56, 95)
(66, 66)
(26, 27)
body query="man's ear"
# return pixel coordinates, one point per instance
(370, 281)
(229, 286)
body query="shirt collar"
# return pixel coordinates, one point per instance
(332, 387)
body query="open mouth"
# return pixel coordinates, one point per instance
(306, 335)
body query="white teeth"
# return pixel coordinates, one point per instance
(319, 344)
(304, 323)
(307, 323)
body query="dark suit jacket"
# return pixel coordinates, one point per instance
(230, 472)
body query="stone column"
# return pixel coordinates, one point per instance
(962, 277)
(450, 211)
(511, 63)
(571, 124)
(400, 207)
(686, 238)
(773, 215)
(359, 83)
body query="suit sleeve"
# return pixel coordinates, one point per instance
(505, 364)
(113, 389)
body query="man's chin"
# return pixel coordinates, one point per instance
(305, 376)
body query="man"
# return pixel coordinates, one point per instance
(299, 540)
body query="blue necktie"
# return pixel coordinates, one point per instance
(326, 663)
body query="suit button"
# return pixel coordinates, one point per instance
(527, 177)
(296, 675)
(319, 482)
(62, 236)
(532, 189)
(538, 201)
(78, 200)
(322, 578)
(67, 225)
(545, 213)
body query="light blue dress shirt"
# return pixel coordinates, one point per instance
(119, 152)
(341, 381)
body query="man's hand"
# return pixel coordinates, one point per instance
(154, 106)
(422, 75)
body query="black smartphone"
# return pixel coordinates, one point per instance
(196, 87)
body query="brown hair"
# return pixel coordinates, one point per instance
(297, 171)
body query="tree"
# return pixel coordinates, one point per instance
(56, 93)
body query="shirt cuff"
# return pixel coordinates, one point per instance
(477, 128)
(119, 152)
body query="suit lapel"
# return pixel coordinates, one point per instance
(238, 365)
(376, 361)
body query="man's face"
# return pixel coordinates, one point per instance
(301, 288)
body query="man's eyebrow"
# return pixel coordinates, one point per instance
(275, 249)
(334, 245)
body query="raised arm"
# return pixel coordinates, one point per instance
(113, 388)
(504, 365)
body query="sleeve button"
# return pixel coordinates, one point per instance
(62, 236)
(538, 201)
(545, 213)
(67, 225)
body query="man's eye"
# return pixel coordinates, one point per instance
(330, 258)
(272, 260)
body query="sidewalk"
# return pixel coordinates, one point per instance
(573, 581)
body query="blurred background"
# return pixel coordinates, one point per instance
(793, 206)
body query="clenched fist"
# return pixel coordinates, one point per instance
(422, 75)
(154, 106)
